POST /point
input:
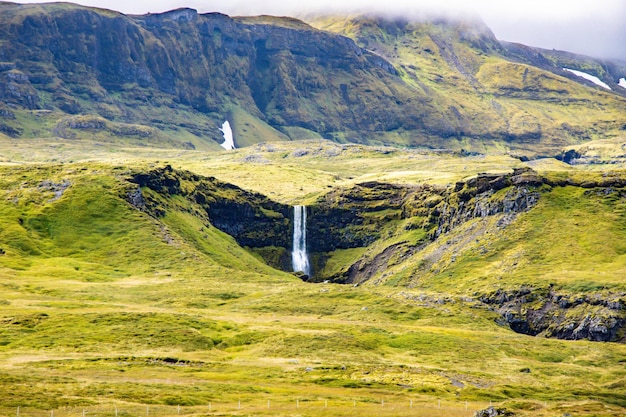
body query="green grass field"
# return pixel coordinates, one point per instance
(104, 308)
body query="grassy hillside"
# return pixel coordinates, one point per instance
(570, 241)
(171, 79)
(468, 269)
(465, 71)
(105, 306)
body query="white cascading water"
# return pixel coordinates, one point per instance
(229, 140)
(299, 256)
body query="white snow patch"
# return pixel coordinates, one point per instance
(589, 77)
(622, 82)
(229, 141)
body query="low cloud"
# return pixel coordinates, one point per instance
(592, 27)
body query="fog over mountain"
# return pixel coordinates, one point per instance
(591, 27)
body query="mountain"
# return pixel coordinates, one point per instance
(517, 91)
(172, 79)
(452, 272)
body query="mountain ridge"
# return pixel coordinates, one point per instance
(184, 73)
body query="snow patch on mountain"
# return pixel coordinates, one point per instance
(589, 77)
(622, 82)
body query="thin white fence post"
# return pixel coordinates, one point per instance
(268, 404)
(465, 405)
(354, 404)
(18, 411)
(297, 403)
(179, 409)
(325, 403)
(115, 411)
(382, 403)
(411, 404)
(239, 404)
(438, 403)
(209, 406)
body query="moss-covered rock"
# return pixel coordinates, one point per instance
(252, 219)
(595, 316)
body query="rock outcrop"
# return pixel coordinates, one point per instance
(494, 412)
(599, 317)
(252, 219)
(355, 217)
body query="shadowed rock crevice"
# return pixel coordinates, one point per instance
(252, 219)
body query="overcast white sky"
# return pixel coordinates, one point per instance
(592, 27)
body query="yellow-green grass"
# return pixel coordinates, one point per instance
(494, 94)
(572, 240)
(291, 172)
(285, 171)
(102, 306)
(605, 150)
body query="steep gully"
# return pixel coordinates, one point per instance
(300, 238)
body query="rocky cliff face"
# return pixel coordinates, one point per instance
(356, 217)
(348, 218)
(124, 68)
(252, 219)
(400, 82)
(342, 219)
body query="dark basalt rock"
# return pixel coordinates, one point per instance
(494, 412)
(569, 157)
(251, 218)
(163, 180)
(594, 317)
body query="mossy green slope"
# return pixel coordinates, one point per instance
(467, 72)
(571, 239)
(70, 218)
(172, 79)
(546, 252)
(105, 306)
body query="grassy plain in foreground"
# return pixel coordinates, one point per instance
(104, 306)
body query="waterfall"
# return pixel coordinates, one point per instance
(299, 256)
(229, 140)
